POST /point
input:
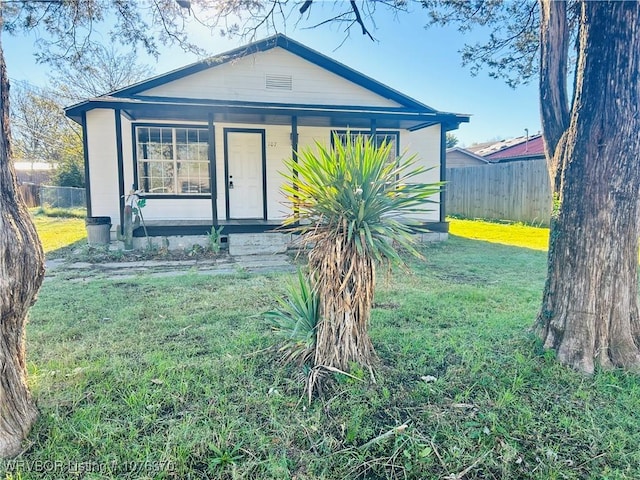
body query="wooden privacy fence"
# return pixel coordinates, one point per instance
(30, 194)
(517, 191)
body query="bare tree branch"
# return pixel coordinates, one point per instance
(356, 12)
(305, 6)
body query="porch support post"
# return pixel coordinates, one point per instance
(294, 139)
(212, 172)
(443, 172)
(294, 150)
(87, 176)
(373, 130)
(120, 159)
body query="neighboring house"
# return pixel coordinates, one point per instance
(514, 149)
(460, 157)
(206, 143)
(30, 176)
(37, 173)
(513, 184)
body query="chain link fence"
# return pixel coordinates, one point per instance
(62, 197)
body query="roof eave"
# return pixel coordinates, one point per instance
(144, 107)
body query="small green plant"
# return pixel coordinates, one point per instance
(214, 238)
(223, 456)
(195, 250)
(295, 321)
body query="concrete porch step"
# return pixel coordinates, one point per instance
(241, 244)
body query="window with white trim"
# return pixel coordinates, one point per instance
(173, 160)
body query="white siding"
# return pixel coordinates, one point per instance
(177, 209)
(307, 137)
(127, 154)
(245, 78)
(425, 143)
(104, 169)
(103, 164)
(458, 159)
(220, 172)
(278, 150)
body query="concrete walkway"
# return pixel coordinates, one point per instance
(223, 265)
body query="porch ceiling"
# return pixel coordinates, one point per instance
(158, 108)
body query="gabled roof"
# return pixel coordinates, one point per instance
(132, 101)
(290, 45)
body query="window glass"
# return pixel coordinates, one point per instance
(173, 160)
(380, 138)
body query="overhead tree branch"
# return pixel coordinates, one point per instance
(305, 6)
(359, 20)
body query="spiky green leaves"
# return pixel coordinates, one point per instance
(358, 189)
(294, 321)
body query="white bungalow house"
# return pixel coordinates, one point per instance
(206, 143)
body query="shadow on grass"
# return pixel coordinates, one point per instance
(66, 252)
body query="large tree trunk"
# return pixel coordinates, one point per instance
(589, 314)
(21, 274)
(345, 284)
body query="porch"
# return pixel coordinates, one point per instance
(169, 228)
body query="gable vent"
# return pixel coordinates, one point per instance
(278, 82)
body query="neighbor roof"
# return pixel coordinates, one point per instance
(517, 148)
(468, 153)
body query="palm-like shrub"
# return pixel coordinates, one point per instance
(295, 320)
(352, 205)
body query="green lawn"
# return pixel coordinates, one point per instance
(58, 232)
(169, 378)
(518, 235)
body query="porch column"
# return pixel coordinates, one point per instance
(120, 160)
(373, 130)
(294, 139)
(294, 147)
(443, 172)
(212, 172)
(85, 152)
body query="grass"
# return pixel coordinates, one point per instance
(48, 211)
(60, 228)
(170, 378)
(516, 234)
(57, 231)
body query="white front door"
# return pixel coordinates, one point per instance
(244, 152)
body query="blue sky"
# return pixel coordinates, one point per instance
(422, 63)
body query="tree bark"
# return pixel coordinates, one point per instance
(554, 104)
(21, 274)
(589, 313)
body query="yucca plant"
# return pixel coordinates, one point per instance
(352, 204)
(295, 320)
